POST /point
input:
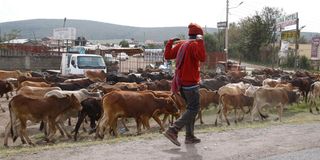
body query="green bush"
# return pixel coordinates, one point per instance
(304, 63)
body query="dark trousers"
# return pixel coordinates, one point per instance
(188, 117)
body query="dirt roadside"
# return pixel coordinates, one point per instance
(243, 144)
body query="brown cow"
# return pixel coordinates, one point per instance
(96, 76)
(12, 74)
(34, 84)
(47, 109)
(272, 97)
(206, 98)
(130, 104)
(235, 102)
(288, 86)
(36, 92)
(130, 86)
(21, 79)
(236, 75)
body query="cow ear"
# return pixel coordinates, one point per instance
(72, 96)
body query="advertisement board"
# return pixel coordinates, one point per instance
(287, 20)
(68, 33)
(315, 47)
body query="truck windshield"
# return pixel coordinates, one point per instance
(87, 62)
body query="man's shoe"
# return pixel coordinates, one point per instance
(192, 140)
(172, 136)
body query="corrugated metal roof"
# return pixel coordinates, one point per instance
(17, 41)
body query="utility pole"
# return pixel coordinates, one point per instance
(296, 45)
(226, 34)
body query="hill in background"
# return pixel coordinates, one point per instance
(93, 30)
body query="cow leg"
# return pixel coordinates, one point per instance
(138, 122)
(200, 116)
(218, 115)
(113, 125)
(81, 117)
(254, 110)
(235, 115)
(310, 107)
(69, 121)
(244, 112)
(52, 130)
(23, 131)
(156, 118)
(6, 134)
(225, 113)
(280, 110)
(61, 127)
(2, 109)
(124, 124)
(165, 117)
(102, 123)
(7, 96)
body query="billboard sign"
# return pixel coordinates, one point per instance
(68, 33)
(289, 35)
(315, 47)
(287, 20)
(222, 25)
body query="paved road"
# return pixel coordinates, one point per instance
(271, 143)
(305, 154)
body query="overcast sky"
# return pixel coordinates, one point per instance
(155, 13)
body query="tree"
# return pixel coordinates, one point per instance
(124, 43)
(256, 35)
(210, 42)
(15, 33)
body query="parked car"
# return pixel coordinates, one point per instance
(109, 59)
(122, 56)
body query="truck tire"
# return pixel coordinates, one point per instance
(220, 68)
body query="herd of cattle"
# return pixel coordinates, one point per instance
(104, 99)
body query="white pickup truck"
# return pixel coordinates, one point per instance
(74, 63)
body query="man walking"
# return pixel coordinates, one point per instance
(188, 55)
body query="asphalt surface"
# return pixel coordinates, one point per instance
(305, 154)
(278, 142)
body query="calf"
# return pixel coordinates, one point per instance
(48, 109)
(206, 98)
(80, 95)
(91, 107)
(314, 96)
(130, 104)
(234, 102)
(269, 97)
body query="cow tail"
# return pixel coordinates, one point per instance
(12, 129)
(312, 89)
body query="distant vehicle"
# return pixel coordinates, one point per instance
(122, 56)
(110, 59)
(223, 66)
(72, 63)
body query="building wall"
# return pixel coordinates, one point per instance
(26, 61)
(304, 49)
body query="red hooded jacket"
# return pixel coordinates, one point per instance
(194, 54)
